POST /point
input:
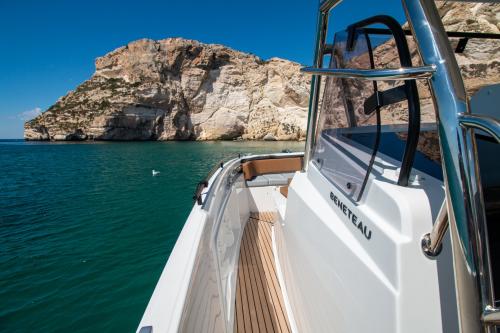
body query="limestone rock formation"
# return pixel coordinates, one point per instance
(178, 89)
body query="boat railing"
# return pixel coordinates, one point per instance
(464, 197)
(390, 74)
(478, 233)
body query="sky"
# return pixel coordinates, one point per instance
(47, 48)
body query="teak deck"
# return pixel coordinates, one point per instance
(259, 300)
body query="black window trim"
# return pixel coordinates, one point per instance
(410, 87)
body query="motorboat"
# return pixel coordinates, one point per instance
(387, 222)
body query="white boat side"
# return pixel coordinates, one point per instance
(165, 307)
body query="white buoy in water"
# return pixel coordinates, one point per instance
(155, 173)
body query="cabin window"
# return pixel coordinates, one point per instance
(362, 123)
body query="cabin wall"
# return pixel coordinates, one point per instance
(340, 277)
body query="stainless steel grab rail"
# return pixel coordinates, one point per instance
(390, 74)
(432, 243)
(485, 123)
(491, 315)
(466, 217)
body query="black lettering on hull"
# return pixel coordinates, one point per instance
(351, 216)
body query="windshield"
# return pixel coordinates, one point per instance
(341, 154)
(361, 119)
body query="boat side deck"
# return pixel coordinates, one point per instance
(259, 299)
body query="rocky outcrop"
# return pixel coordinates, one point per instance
(178, 89)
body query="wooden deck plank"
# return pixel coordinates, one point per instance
(242, 318)
(254, 279)
(266, 245)
(259, 300)
(273, 286)
(264, 229)
(262, 282)
(252, 307)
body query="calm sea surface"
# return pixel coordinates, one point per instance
(85, 230)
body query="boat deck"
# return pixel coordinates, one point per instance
(259, 300)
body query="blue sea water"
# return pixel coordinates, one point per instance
(85, 230)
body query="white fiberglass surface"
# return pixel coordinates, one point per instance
(339, 161)
(358, 267)
(164, 309)
(211, 299)
(227, 242)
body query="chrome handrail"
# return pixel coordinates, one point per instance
(432, 243)
(467, 222)
(394, 74)
(485, 123)
(491, 316)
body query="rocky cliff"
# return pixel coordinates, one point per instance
(178, 89)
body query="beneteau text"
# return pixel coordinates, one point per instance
(351, 216)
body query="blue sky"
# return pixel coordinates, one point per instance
(48, 48)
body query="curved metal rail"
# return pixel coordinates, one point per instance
(432, 242)
(487, 124)
(392, 74)
(466, 217)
